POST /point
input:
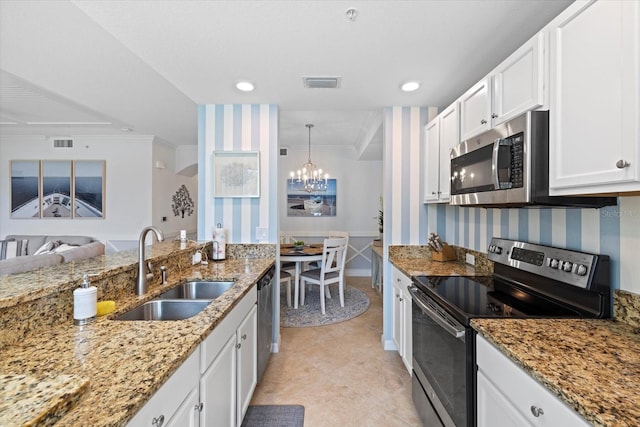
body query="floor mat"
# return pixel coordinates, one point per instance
(274, 416)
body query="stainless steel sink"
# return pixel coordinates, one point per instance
(165, 310)
(197, 290)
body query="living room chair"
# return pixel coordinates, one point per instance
(331, 271)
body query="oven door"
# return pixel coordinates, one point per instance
(442, 364)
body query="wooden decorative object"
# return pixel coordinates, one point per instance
(446, 254)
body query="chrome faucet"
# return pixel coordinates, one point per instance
(143, 276)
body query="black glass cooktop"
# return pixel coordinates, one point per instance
(486, 296)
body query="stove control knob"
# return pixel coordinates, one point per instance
(567, 266)
(553, 263)
(498, 250)
(491, 248)
(581, 270)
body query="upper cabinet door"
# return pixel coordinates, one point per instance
(594, 98)
(449, 138)
(518, 83)
(432, 159)
(475, 109)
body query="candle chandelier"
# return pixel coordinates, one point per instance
(310, 178)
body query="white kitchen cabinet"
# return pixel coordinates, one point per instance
(441, 135)
(519, 82)
(167, 402)
(247, 376)
(228, 363)
(515, 86)
(475, 109)
(401, 308)
(507, 396)
(218, 388)
(594, 139)
(188, 414)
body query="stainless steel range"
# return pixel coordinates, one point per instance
(529, 281)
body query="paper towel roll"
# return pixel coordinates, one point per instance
(219, 243)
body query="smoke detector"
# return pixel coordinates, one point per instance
(322, 82)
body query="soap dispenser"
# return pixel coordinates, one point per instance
(85, 302)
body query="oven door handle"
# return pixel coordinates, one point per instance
(456, 332)
(494, 164)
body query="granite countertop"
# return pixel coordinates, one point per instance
(592, 365)
(428, 267)
(124, 362)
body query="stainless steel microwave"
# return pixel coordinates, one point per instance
(509, 166)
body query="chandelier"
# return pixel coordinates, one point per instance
(310, 177)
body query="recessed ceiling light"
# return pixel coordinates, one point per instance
(126, 130)
(410, 86)
(245, 86)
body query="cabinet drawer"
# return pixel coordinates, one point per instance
(212, 345)
(521, 390)
(165, 402)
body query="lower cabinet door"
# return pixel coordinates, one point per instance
(218, 389)
(247, 361)
(188, 414)
(494, 410)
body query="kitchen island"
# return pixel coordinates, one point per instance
(123, 362)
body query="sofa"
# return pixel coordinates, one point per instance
(28, 252)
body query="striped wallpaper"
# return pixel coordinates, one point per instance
(613, 231)
(238, 128)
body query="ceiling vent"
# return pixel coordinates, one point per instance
(322, 82)
(62, 142)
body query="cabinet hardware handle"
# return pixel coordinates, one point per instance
(494, 115)
(483, 122)
(536, 411)
(621, 164)
(199, 407)
(157, 422)
(238, 346)
(244, 336)
(400, 298)
(433, 192)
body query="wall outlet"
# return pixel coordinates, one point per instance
(262, 234)
(470, 259)
(197, 258)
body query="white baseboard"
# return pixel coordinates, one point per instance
(357, 272)
(388, 345)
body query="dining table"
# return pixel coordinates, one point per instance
(308, 253)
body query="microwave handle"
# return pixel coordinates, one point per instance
(494, 163)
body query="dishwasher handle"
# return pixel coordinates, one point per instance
(449, 325)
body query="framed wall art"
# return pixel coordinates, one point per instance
(301, 203)
(236, 174)
(88, 188)
(25, 189)
(56, 189)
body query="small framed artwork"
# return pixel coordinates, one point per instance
(88, 188)
(236, 174)
(56, 189)
(25, 189)
(301, 203)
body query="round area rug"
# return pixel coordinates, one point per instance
(356, 302)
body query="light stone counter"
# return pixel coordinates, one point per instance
(592, 365)
(416, 261)
(125, 362)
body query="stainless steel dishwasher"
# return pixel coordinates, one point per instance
(265, 319)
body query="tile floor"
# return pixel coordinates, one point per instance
(340, 373)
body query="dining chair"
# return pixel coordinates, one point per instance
(332, 235)
(285, 278)
(331, 271)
